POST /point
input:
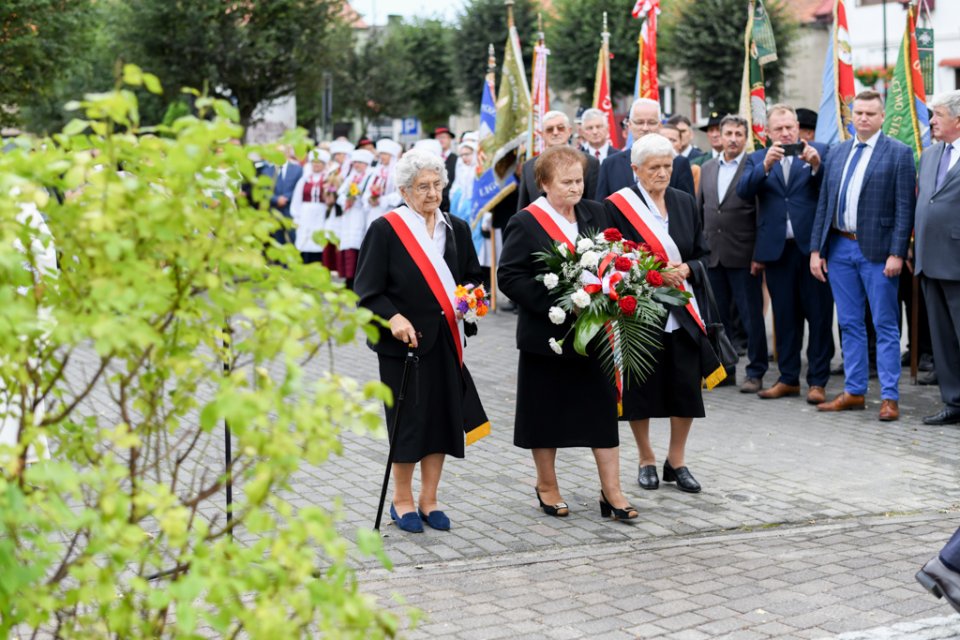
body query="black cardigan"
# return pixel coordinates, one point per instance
(389, 282)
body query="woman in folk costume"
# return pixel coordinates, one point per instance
(668, 221)
(308, 207)
(411, 261)
(339, 166)
(381, 195)
(563, 399)
(353, 222)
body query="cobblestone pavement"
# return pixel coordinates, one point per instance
(809, 526)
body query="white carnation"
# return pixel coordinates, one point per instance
(557, 315)
(600, 238)
(590, 260)
(563, 250)
(580, 298)
(551, 280)
(584, 244)
(555, 346)
(470, 316)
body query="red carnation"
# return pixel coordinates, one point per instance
(661, 256)
(654, 278)
(630, 245)
(628, 305)
(622, 263)
(612, 235)
(645, 247)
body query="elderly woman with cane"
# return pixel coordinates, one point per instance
(410, 263)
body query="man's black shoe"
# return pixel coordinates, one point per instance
(948, 415)
(939, 580)
(927, 377)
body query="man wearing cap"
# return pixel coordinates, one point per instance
(285, 182)
(616, 173)
(712, 129)
(595, 134)
(683, 125)
(808, 124)
(556, 132)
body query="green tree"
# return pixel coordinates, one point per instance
(704, 38)
(38, 40)
(484, 22)
(379, 81)
(334, 60)
(249, 52)
(114, 367)
(573, 38)
(428, 47)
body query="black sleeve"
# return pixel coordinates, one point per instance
(519, 267)
(682, 177)
(372, 270)
(700, 247)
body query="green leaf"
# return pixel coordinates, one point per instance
(585, 329)
(152, 83)
(132, 75)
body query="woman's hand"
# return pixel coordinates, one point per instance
(676, 273)
(402, 330)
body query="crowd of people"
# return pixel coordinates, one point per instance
(813, 228)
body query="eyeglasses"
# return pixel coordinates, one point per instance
(650, 123)
(559, 128)
(427, 187)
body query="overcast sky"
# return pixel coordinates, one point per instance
(376, 11)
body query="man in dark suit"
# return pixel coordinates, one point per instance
(615, 172)
(937, 252)
(712, 129)
(730, 224)
(556, 132)
(285, 181)
(860, 234)
(786, 179)
(685, 127)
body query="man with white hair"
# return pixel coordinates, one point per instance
(556, 132)
(937, 252)
(595, 134)
(615, 172)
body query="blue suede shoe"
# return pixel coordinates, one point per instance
(409, 522)
(436, 519)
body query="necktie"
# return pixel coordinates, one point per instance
(944, 165)
(842, 209)
(598, 154)
(785, 165)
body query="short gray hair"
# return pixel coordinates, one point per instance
(652, 145)
(950, 100)
(645, 102)
(550, 115)
(593, 114)
(415, 161)
(736, 120)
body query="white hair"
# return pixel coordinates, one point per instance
(593, 114)
(950, 100)
(550, 115)
(645, 102)
(652, 145)
(415, 161)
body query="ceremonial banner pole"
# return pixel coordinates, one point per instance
(491, 79)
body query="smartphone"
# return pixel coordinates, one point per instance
(794, 149)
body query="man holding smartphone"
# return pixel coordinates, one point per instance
(785, 178)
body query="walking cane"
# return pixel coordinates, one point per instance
(393, 434)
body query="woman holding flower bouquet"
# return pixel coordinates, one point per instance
(666, 222)
(563, 399)
(410, 265)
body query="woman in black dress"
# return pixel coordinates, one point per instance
(668, 220)
(410, 261)
(563, 400)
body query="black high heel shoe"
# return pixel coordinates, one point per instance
(682, 476)
(559, 510)
(607, 509)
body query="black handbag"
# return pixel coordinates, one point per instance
(716, 333)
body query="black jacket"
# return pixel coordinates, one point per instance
(389, 282)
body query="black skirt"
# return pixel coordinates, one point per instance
(564, 402)
(440, 404)
(673, 388)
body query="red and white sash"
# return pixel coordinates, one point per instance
(545, 215)
(641, 218)
(436, 273)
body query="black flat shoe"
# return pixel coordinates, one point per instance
(559, 510)
(647, 477)
(682, 476)
(607, 510)
(948, 415)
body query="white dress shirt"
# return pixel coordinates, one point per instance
(856, 181)
(664, 219)
(439, 233)
(725, 175)
(603, 151)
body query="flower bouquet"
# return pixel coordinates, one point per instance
(471, 302)
(615, 286)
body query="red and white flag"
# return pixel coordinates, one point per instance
(602, 98)
(539, 94)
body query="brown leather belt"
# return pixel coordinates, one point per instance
(845, 234)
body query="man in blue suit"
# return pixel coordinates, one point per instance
(616, 173)
(285, 181)
(862, 229)
(785, 178)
